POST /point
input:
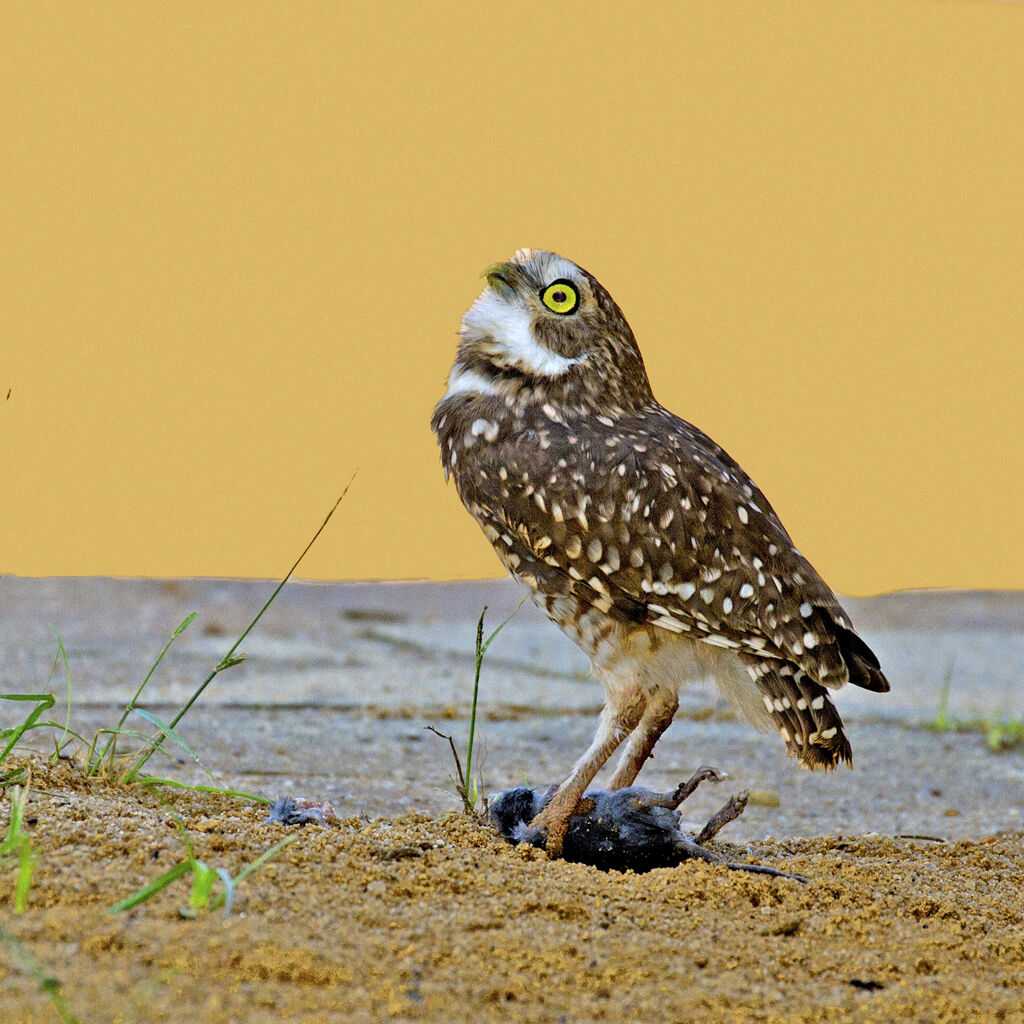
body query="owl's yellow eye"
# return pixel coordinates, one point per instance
(561, 297)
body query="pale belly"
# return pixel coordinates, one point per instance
(624, 656)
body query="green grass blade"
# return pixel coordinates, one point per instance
(47, 724)
(44, 701)
(469, 797)
(63, 654)
(156, 780)
(468, 802)
(26, 865)
(942, 722)
(168, 731)
(14, 777)
(203, 878)
(94, 765)
(183, 625)
(150, 890)
(12, 841)
(502, 625)
(229, 891)
(183, 832)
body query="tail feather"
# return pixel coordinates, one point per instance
(805, 717)
(861, 661)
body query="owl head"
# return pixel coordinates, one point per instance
(546, 327)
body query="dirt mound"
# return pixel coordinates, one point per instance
(437, 918)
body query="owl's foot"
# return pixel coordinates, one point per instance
(553, 820)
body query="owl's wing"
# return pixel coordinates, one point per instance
(660, 525)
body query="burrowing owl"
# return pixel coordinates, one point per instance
(636, 533)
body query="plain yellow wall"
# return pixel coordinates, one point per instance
(237, 239)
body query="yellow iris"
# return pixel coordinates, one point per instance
(560, 297)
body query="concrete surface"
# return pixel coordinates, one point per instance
(340, 681)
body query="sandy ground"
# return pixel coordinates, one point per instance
(409, 910)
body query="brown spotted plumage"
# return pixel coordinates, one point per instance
(639, 536)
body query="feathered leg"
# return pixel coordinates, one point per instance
(661, 708)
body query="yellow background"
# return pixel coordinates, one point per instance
(237, 239)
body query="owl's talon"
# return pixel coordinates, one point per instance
(553, 846)
(554, 827)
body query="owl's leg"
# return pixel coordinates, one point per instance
(618, 719)
(662, 705)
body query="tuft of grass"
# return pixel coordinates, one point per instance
(101, 754)
(941, 722)
(95, 760)
(43, 702)
(230, 659)
(1001, 733)
(466, 786)
(1004, 733)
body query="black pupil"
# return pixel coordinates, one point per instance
(558, 296)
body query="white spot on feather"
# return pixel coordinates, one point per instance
(487, 428)
(667, 622)
(719, 641)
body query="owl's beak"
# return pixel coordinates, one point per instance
(499, 277)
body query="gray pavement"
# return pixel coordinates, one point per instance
(340, 680)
